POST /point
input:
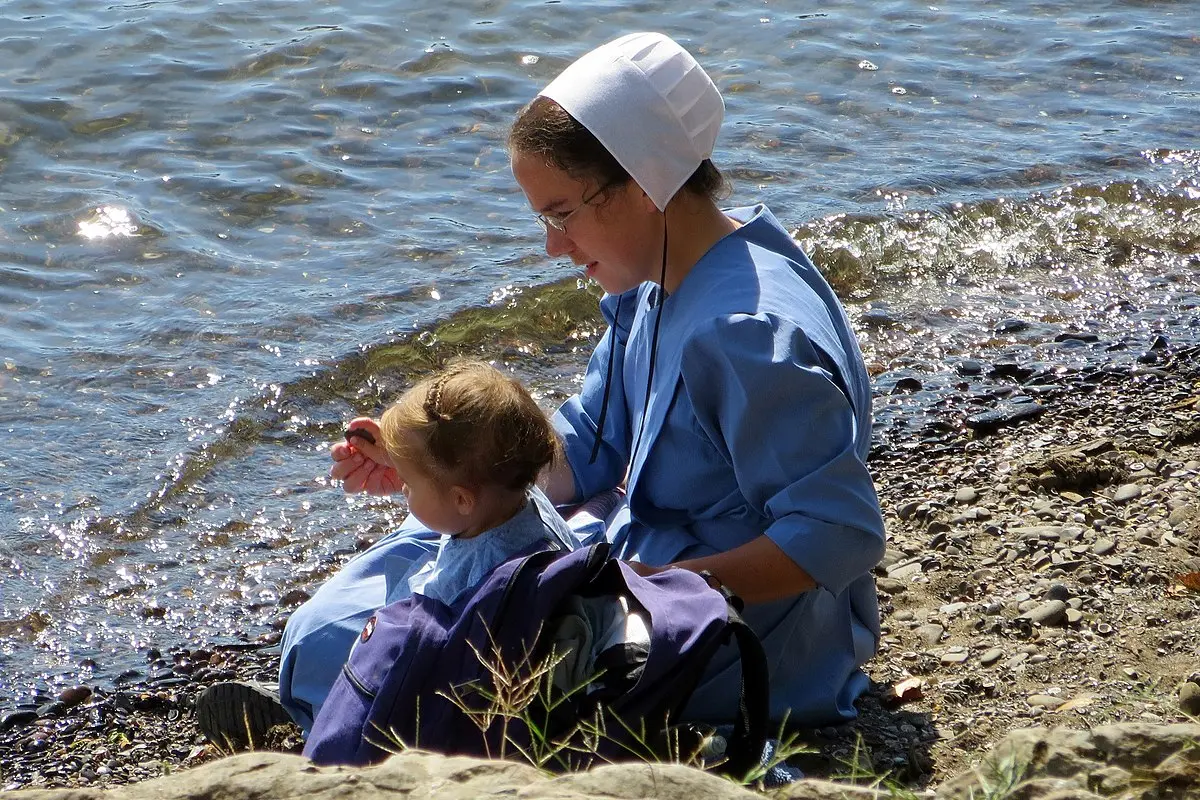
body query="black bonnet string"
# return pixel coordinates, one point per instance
(657, 301)
(612, 356)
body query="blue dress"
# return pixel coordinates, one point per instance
(758, 421)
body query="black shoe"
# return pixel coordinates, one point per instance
(236, 716)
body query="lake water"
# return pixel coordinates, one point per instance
(227, 227)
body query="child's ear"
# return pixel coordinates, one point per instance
(464, 500)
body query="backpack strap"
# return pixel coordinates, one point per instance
(749, 739)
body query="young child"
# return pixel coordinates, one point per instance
(468, 444)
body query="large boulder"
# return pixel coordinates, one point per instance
(410, 775)
(1130, 761)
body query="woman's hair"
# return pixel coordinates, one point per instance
(544, 128)
(473, 425)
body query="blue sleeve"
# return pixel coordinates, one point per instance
(577, 420)
(769, 401)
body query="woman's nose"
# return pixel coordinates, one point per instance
(557, 242)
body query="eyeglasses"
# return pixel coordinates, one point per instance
(559, 221)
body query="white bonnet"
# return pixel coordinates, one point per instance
(649, 103)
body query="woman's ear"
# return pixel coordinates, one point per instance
(646, 201)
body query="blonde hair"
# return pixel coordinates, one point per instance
(473, 425)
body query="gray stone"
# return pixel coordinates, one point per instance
(991, 656)
(1127, 492)
(951, 657)
(905, 571)
(1189, 698)
(1137, 761)
(1180, 517)
(1045, 701)
(966, 495)
(1051, 612)
(1103, 546)
(890, 585)
(930, 634)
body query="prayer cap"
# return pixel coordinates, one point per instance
(650, 104)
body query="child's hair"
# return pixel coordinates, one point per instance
(474, 425)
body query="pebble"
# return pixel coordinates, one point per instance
(17, 718)
(74, 696)
(1126, 493)
(1045, 701)
(955, 655)
(930, 634)
(1058, 591)
(905, 571)
(1016, 660)
(1004, 414)
(1103, 546)
(991, 656)
(890, 585)
(966, 495)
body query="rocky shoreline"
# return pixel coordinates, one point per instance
(1032, 580)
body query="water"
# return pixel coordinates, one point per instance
(225, 228)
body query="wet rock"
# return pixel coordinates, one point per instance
(74, 696)
(1012, 325)
(1077, 336)
(16, 719)
(1011, 369)
(1003, 415)
(294, 598)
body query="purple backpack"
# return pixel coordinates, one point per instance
(584, 644)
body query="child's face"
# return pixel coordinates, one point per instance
(434, 502)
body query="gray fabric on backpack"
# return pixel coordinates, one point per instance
(597, 629)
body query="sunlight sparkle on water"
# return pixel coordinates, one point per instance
(108, 221)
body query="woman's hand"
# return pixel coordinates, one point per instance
(362, 466)
(645, 570)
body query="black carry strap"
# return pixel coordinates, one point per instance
(749, 740)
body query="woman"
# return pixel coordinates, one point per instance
(728, 395)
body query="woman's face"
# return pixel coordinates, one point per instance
(616, 238)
